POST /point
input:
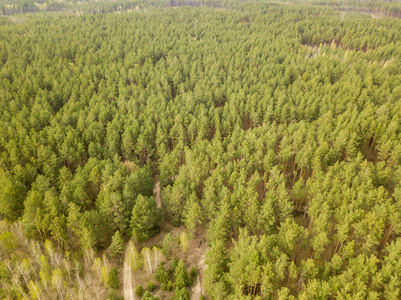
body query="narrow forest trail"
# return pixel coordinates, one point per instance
(127, 275)
(198, 257)
(157, 192)
(198, 289)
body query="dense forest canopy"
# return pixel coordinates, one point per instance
(275, 127)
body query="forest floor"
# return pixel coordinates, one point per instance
(157, 193)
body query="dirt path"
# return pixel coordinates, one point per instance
(198, 289)
(157, 193)
(127, 275)
(198, 258)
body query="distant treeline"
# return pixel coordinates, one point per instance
(381, 8)
(388, 8)
(96, 7)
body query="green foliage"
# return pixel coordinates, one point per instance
(145, 218)
(181, 294)
(8, 242)
(4, 271)
(151, 286)
(168, 243)
(193, 272)
(113, 295)
(167, 287)
(161, 275)
(12, 195)
(181, 276)
(193, 213)
(116, 248)
(173, 265)
(148, 296)
(184, 242)
(114, 278)
(216, 260)
(134, 257)
(139, 290)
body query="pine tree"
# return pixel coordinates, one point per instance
(116, 247)
(146, 218)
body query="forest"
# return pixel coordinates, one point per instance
(200, 149)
